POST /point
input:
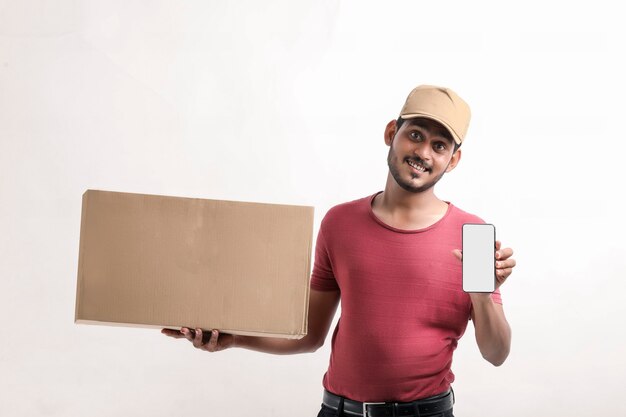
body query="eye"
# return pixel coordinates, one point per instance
(440, 147)
(416, 135)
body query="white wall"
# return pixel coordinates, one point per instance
(286, 102)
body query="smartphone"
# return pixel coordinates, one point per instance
(479, 262)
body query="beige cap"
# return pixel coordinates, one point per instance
(441, 105)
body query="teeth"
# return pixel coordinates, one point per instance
(420, 168)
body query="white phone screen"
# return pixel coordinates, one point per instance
(479, 274)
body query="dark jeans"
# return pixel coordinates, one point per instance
(329, 412)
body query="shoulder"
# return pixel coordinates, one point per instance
(347, 211)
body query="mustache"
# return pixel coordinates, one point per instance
(418, 160)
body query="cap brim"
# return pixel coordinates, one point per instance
(455, 137)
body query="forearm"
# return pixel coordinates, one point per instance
(275, 345)
(322, 307)
(493, 333)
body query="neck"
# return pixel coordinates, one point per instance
(406, 210)
(396, 198)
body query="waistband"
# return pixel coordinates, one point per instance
(424, 407)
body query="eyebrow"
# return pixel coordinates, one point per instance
(437, 131)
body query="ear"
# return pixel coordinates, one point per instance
(390, 132)
(454, 161)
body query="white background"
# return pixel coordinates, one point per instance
(286, 102)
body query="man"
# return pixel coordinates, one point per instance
(393, 260)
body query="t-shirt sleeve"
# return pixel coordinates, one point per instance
(323, 278)
(496, 296)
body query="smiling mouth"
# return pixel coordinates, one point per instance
(417, 166)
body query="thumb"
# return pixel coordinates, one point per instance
(458, 254)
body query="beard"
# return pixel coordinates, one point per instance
(392, 161)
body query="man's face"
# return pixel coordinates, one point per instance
(420, 152)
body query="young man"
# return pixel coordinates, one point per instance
(393, 260)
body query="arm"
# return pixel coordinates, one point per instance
(322, 307)
(492, 331)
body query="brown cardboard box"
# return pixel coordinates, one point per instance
(156, 261)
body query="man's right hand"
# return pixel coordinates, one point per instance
(212, 341)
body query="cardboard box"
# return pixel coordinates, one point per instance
(156, 261)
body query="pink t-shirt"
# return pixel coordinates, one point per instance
(403, 308)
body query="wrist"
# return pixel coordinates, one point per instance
(480, 298)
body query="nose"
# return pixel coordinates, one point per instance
(423, 151)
